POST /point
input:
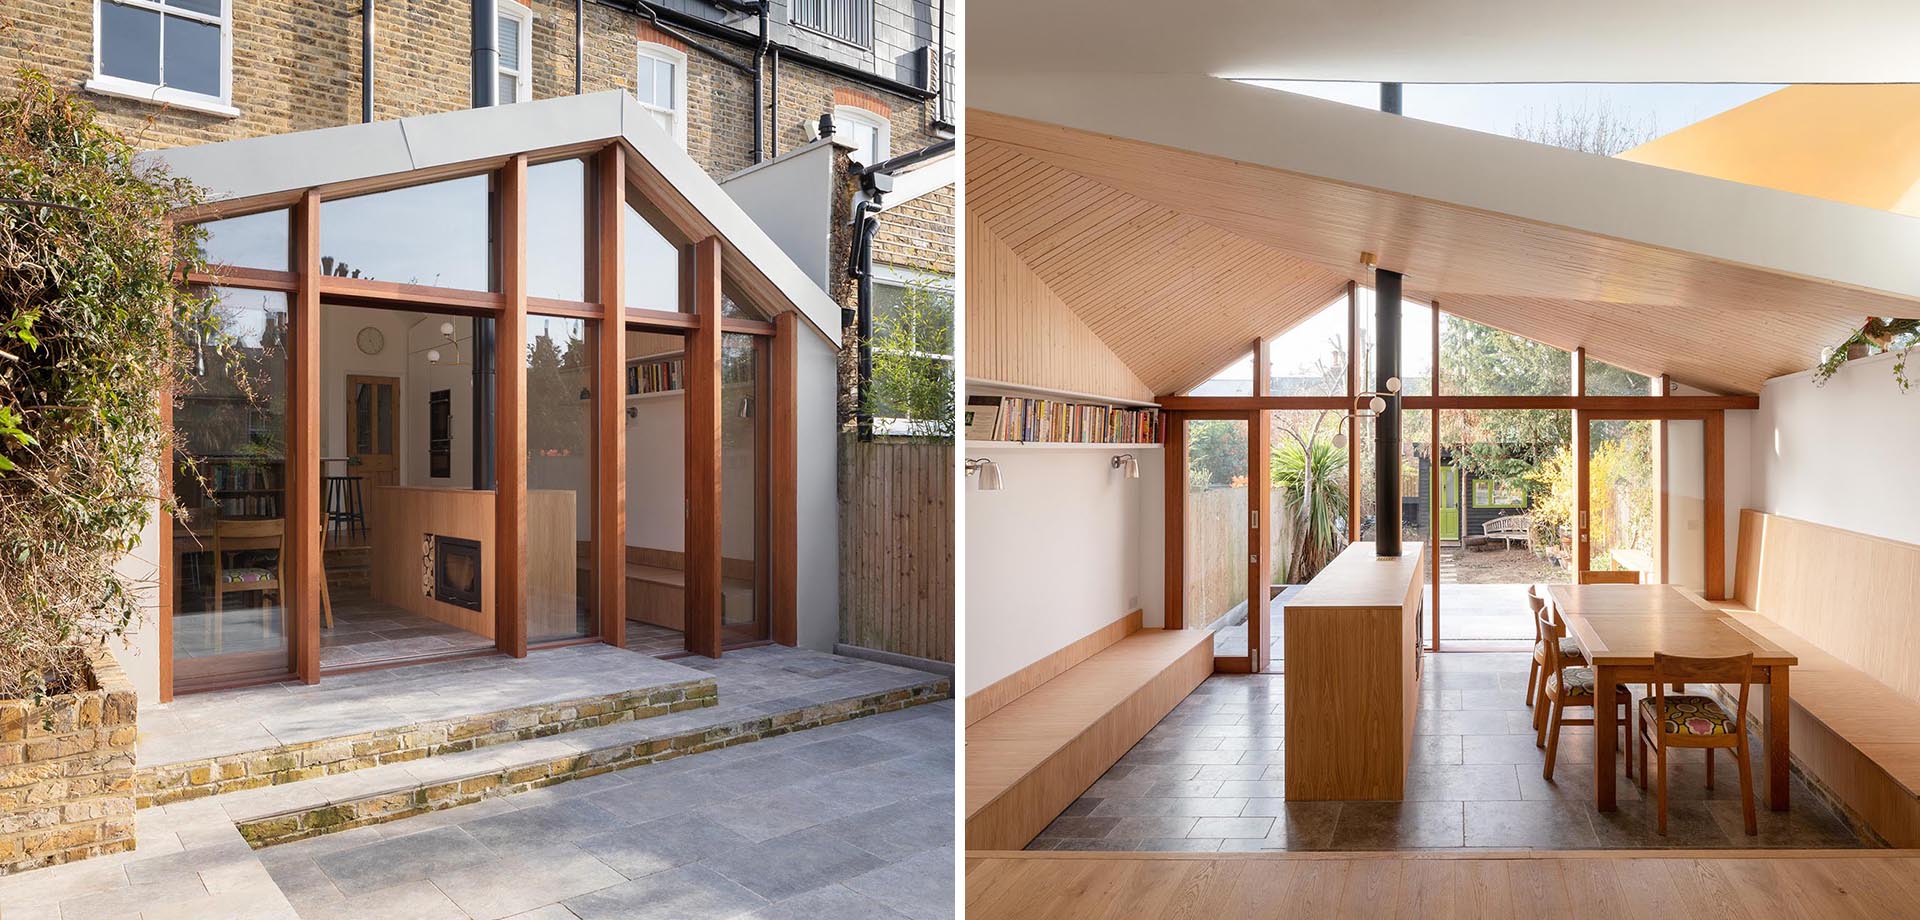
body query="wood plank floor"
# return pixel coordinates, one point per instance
(1671, 884)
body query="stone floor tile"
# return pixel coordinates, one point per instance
(836, 901)
(528, 878)
(656, 846)
(391, 861)
(782, 867)
(920, 887)
(688, 893)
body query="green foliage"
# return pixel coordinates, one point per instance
(92, 331)
(912, 349)
(1216, 454)
(1310, 475)
(1879, 334)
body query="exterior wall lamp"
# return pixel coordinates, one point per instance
(989, 473)
(1376, 404)
(1129, 463)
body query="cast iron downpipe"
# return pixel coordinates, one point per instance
(1386, 428)
(1390, 98)
(486, 68)
(366, 61)
(579, 44)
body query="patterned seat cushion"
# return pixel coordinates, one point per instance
(245, 576)
(1569, 650)
(1691, 715)
(1579, 683)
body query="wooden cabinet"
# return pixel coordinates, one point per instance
(1353, 677)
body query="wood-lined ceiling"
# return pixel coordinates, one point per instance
(1178, 260)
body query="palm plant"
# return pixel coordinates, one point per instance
(1308, 474)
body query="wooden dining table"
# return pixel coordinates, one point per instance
(1620, 627)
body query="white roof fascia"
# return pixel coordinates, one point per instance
(279, 163)
(920, 180)
(1747, 225)
(730, 222)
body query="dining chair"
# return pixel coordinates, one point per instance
(1565, 685)
(230, 536)
(1569, 651)
(1695, 721)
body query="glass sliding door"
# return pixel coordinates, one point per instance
(231, 553)
(1215, 527)
(561, 560)
(654, 387)
(743, 495)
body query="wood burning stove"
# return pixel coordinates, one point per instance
(456, 571)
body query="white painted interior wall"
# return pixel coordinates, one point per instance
(1843, 454)
(1064, 548)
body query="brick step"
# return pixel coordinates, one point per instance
(283, 814)
(281, 764)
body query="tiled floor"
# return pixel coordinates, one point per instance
(1210, 777)
(648, 639)
(366, 631)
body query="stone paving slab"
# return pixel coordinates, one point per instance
(192, 861)
(277, 815)
(206, 725)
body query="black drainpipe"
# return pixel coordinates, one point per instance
(866, 223)
(940, 65)
(1390, 98)
(1386, 428)
(759, 86)
(366, 61)
(486, 67)
(773, 84)
(579, 43)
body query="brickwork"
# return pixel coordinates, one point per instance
(66, 773)
(918, 234)
(176, 782)
(384, 807)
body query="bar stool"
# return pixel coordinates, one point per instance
(344, 504)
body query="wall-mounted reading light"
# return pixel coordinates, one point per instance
(1128, 463)
(1376, 404)
(989, 473)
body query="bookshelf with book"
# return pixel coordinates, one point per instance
(654, 376)
(1038, 419)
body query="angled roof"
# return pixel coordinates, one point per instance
(1719, 284)
(1855, 144)
(284, 163)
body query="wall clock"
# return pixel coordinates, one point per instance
(371, 340)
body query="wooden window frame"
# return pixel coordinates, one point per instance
(1659, 406)
(616, 172)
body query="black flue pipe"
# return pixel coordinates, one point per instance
(1386, 427)
(486, 52)
(486, 68)
(1390, 98)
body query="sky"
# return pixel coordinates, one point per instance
(1496, 107)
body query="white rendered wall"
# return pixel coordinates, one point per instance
(817, 581)
(1056, 554)
(1843, 455)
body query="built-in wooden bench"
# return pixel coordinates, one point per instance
(1849, 605)
(1038, 747)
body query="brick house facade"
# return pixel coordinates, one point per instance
(297, 66)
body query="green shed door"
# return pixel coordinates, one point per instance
(1449, 519)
